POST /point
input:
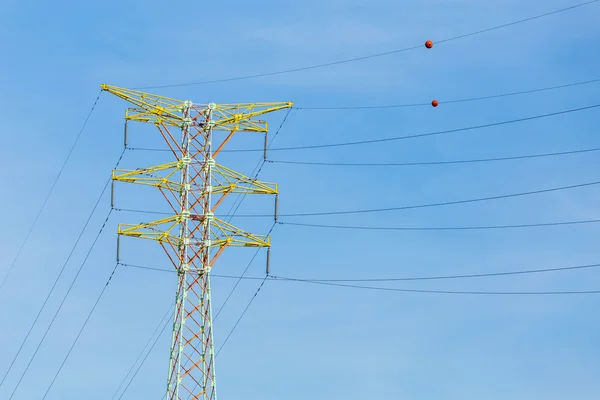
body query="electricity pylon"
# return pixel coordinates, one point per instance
(193, 238)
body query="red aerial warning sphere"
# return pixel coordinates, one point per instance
(429, 44)
(435, 103)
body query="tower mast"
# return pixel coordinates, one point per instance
(193, 238)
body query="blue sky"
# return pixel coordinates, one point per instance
(299, 340)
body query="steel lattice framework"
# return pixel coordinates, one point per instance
(193, 238)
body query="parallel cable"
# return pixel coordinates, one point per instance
(68, 291)
(439, 204)
(420, 135)
(411, 207)
(396, 138)
(416, 163)
(79, 333)
(464, 100)
(164, 325)
(60, 306)
(546, 293)
(354, 59)
(241, 316)
(54, 284)
(442, 228)
(411, 278)
(62, 168)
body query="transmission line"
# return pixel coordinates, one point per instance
(80, 332)
(54, 285)
(442, 228)
(360, 58)
(164, 322)
(370, 141)
(35, 220)
(427, 205)
(546, 293)
(396, 138)
(412, 278)
(416, 163)
(468, 99)
(66, 294)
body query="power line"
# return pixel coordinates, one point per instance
(427, 205)
(412, 278)
(420, 135)
(60, 305)
(62, 168)
(413, 136)
(360, 58)
(416, 163)
(444, 228)
(68, 290)
(241, 316)
(415, 206)
(54, 284)
(164, 322)
(547, 293)
(80, 331)
(468, 99)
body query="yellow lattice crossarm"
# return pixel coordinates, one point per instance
(140, 115)
(159, 230)
(230, 181)
(148, 176)
(226, 180)
(223, 234)
(153, 107)
(240, 116)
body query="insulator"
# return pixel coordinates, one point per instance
(266, 145)
(112, 194)
(118, 248)
(276, 207)
(268, 260)
(125, 134)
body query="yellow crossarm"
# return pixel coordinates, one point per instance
(223, 234)
(231, 181)
(159, 230)
(240, 116)
(155, 107)
(149, 176)
(225, 180)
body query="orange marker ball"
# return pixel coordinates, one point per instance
(429, 44)
(435, 103)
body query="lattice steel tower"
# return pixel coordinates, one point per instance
(193, 237)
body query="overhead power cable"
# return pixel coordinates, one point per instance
(468, 99)
(71, 285)
(442, 228)
(80, 332)
(158, 332)
(60, 274)
(439, 204)
(409, 207)
(459, 292)
(396, 138)
(37, 217)
(416, 163)
(241, 316)
(411, 278)
(436, 133)
(376, 55)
